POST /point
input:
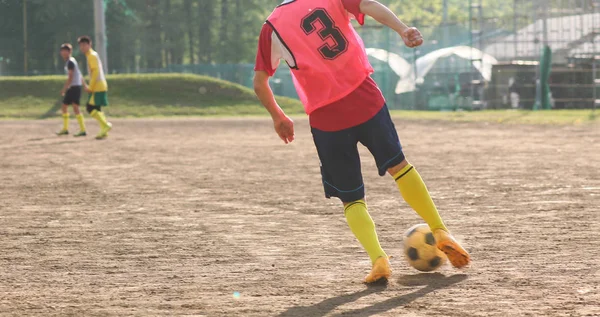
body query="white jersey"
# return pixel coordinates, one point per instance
(71, 64)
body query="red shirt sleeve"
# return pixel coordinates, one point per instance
(263, 54)
(353, 6)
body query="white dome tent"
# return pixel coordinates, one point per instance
(424, 64)
(399, 66)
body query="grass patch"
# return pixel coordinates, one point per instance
(553, 117)
(139, 96)
(161, 95)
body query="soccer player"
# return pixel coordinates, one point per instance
(98, 88)
(331, 72)
(71, 91)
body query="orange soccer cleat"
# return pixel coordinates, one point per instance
(456, 254)
(381, 270)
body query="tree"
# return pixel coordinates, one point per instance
(152, 44)
(189, 18)
(206, 11)
(156, 33)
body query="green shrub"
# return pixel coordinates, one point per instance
(138, 96)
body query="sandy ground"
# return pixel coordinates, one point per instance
(172, 217)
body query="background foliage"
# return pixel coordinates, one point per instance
(152, 34)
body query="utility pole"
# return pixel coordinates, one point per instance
(445, 42)
(515, 26)
(25, 37)
(544, 23)
(100, 32)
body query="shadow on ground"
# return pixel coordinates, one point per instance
(52, 111)
(431, 282)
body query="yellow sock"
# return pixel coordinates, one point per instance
(99, 116)
(103, 117)
(81, 122)
(417, 196)
(65, 121)
(363, 227)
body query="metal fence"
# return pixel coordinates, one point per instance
(513, 38)
(571, 28)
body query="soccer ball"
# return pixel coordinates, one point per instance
(420, 249)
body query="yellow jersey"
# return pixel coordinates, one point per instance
(96, 72)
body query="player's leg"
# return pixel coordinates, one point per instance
(362, 226)
(76, 91)
(94, 108)
(65, 118)
(380, 136)
(342, 178)
(65, 114)
(80, 121)
(96, 113)
(102, 100)
(415, 193)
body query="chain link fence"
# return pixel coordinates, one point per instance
(489, 62)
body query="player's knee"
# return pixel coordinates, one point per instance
(348, 203)
(359, 204)
(397, 168)
(91, 108)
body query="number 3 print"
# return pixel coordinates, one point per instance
(329, 30)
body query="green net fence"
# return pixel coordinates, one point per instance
(205, 37)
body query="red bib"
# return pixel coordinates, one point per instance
(329, 56)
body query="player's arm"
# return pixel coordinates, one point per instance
(84, 84)
(263, 69)
(93, 67)
(284, 126)
(382, 14)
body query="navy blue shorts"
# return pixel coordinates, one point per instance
(340, 162)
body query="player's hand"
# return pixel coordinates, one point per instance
(412, 37)
(63, 92)
(88, 90)
(284, 126)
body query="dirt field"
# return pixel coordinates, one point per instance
(172, 217)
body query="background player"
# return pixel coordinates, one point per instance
(71, 91)
(331, 73)
(98, 88)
